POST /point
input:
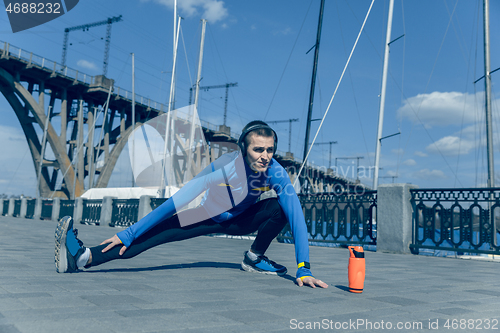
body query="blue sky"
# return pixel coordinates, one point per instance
(262, 45)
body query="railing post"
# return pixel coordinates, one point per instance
(144, 206)
(5, 54)
(12, 203)
(106, 210)
(31, 58)
(38, 209)
(56, 208)
(78, 212)
(394, 218)
(24, 208)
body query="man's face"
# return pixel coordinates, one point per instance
(260, 151)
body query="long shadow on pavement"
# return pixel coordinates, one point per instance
(203, 264)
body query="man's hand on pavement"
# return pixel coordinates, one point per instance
(312, 282)
(113, 241)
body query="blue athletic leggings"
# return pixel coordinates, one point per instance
(266, 216)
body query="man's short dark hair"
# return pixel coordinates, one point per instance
(267, 132)
(256, 127)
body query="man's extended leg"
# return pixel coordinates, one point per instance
(265, 216)
(165, 232)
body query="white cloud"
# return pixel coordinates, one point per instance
(284, 31)
(443, 108)
(391, 173)
(429, 174)
(398, 151)
(462, 142)
(212, 10)
(420, 154)
(451, 146)
(410, 162)
(86, 64)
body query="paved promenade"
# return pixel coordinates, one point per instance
(197, 286)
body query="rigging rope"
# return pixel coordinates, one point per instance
(400, 156)
(334, 93)
(465, 101)
(354, 93)
(288, 60)
(422, 100)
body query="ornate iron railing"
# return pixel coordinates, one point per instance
(341, 219)
(30, 209)
(460, 220)
(125, 212)
(91, 212)
(46, 210)
(66, 208)
(17, 207)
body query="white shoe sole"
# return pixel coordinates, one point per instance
(61, 252)
(249, 268)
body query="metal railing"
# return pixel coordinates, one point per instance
(459, 220)
(5, 208)
(33, 60)
(46, 213)
(348, 218)
(91, 213)
(66, 208)
(340, 219)
(17, 207)
(156, 202)
(125, 212)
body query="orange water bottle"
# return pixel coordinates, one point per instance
(356, 269)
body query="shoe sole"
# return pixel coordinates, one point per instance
(249, 268)
(61, 252)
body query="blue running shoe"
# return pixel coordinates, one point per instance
(68, 247)
(262, 265)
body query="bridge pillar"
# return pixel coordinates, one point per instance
(394, 218)
(90, 144)
(144, 206)
(38, 209)
(56, 207)
(79, 148)
(64, 116)
(107, 210)
(24, 208)
(78, 212)
(12, 204)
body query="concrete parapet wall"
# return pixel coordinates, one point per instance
(394, 218)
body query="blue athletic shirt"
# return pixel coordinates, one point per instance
(231, 187)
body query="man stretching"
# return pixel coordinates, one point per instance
(232, 186)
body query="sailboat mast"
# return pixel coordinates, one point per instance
(487, 94)
(196, 100)
(382, 95)
(313, 80)
(163, 182)
(133, 119)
